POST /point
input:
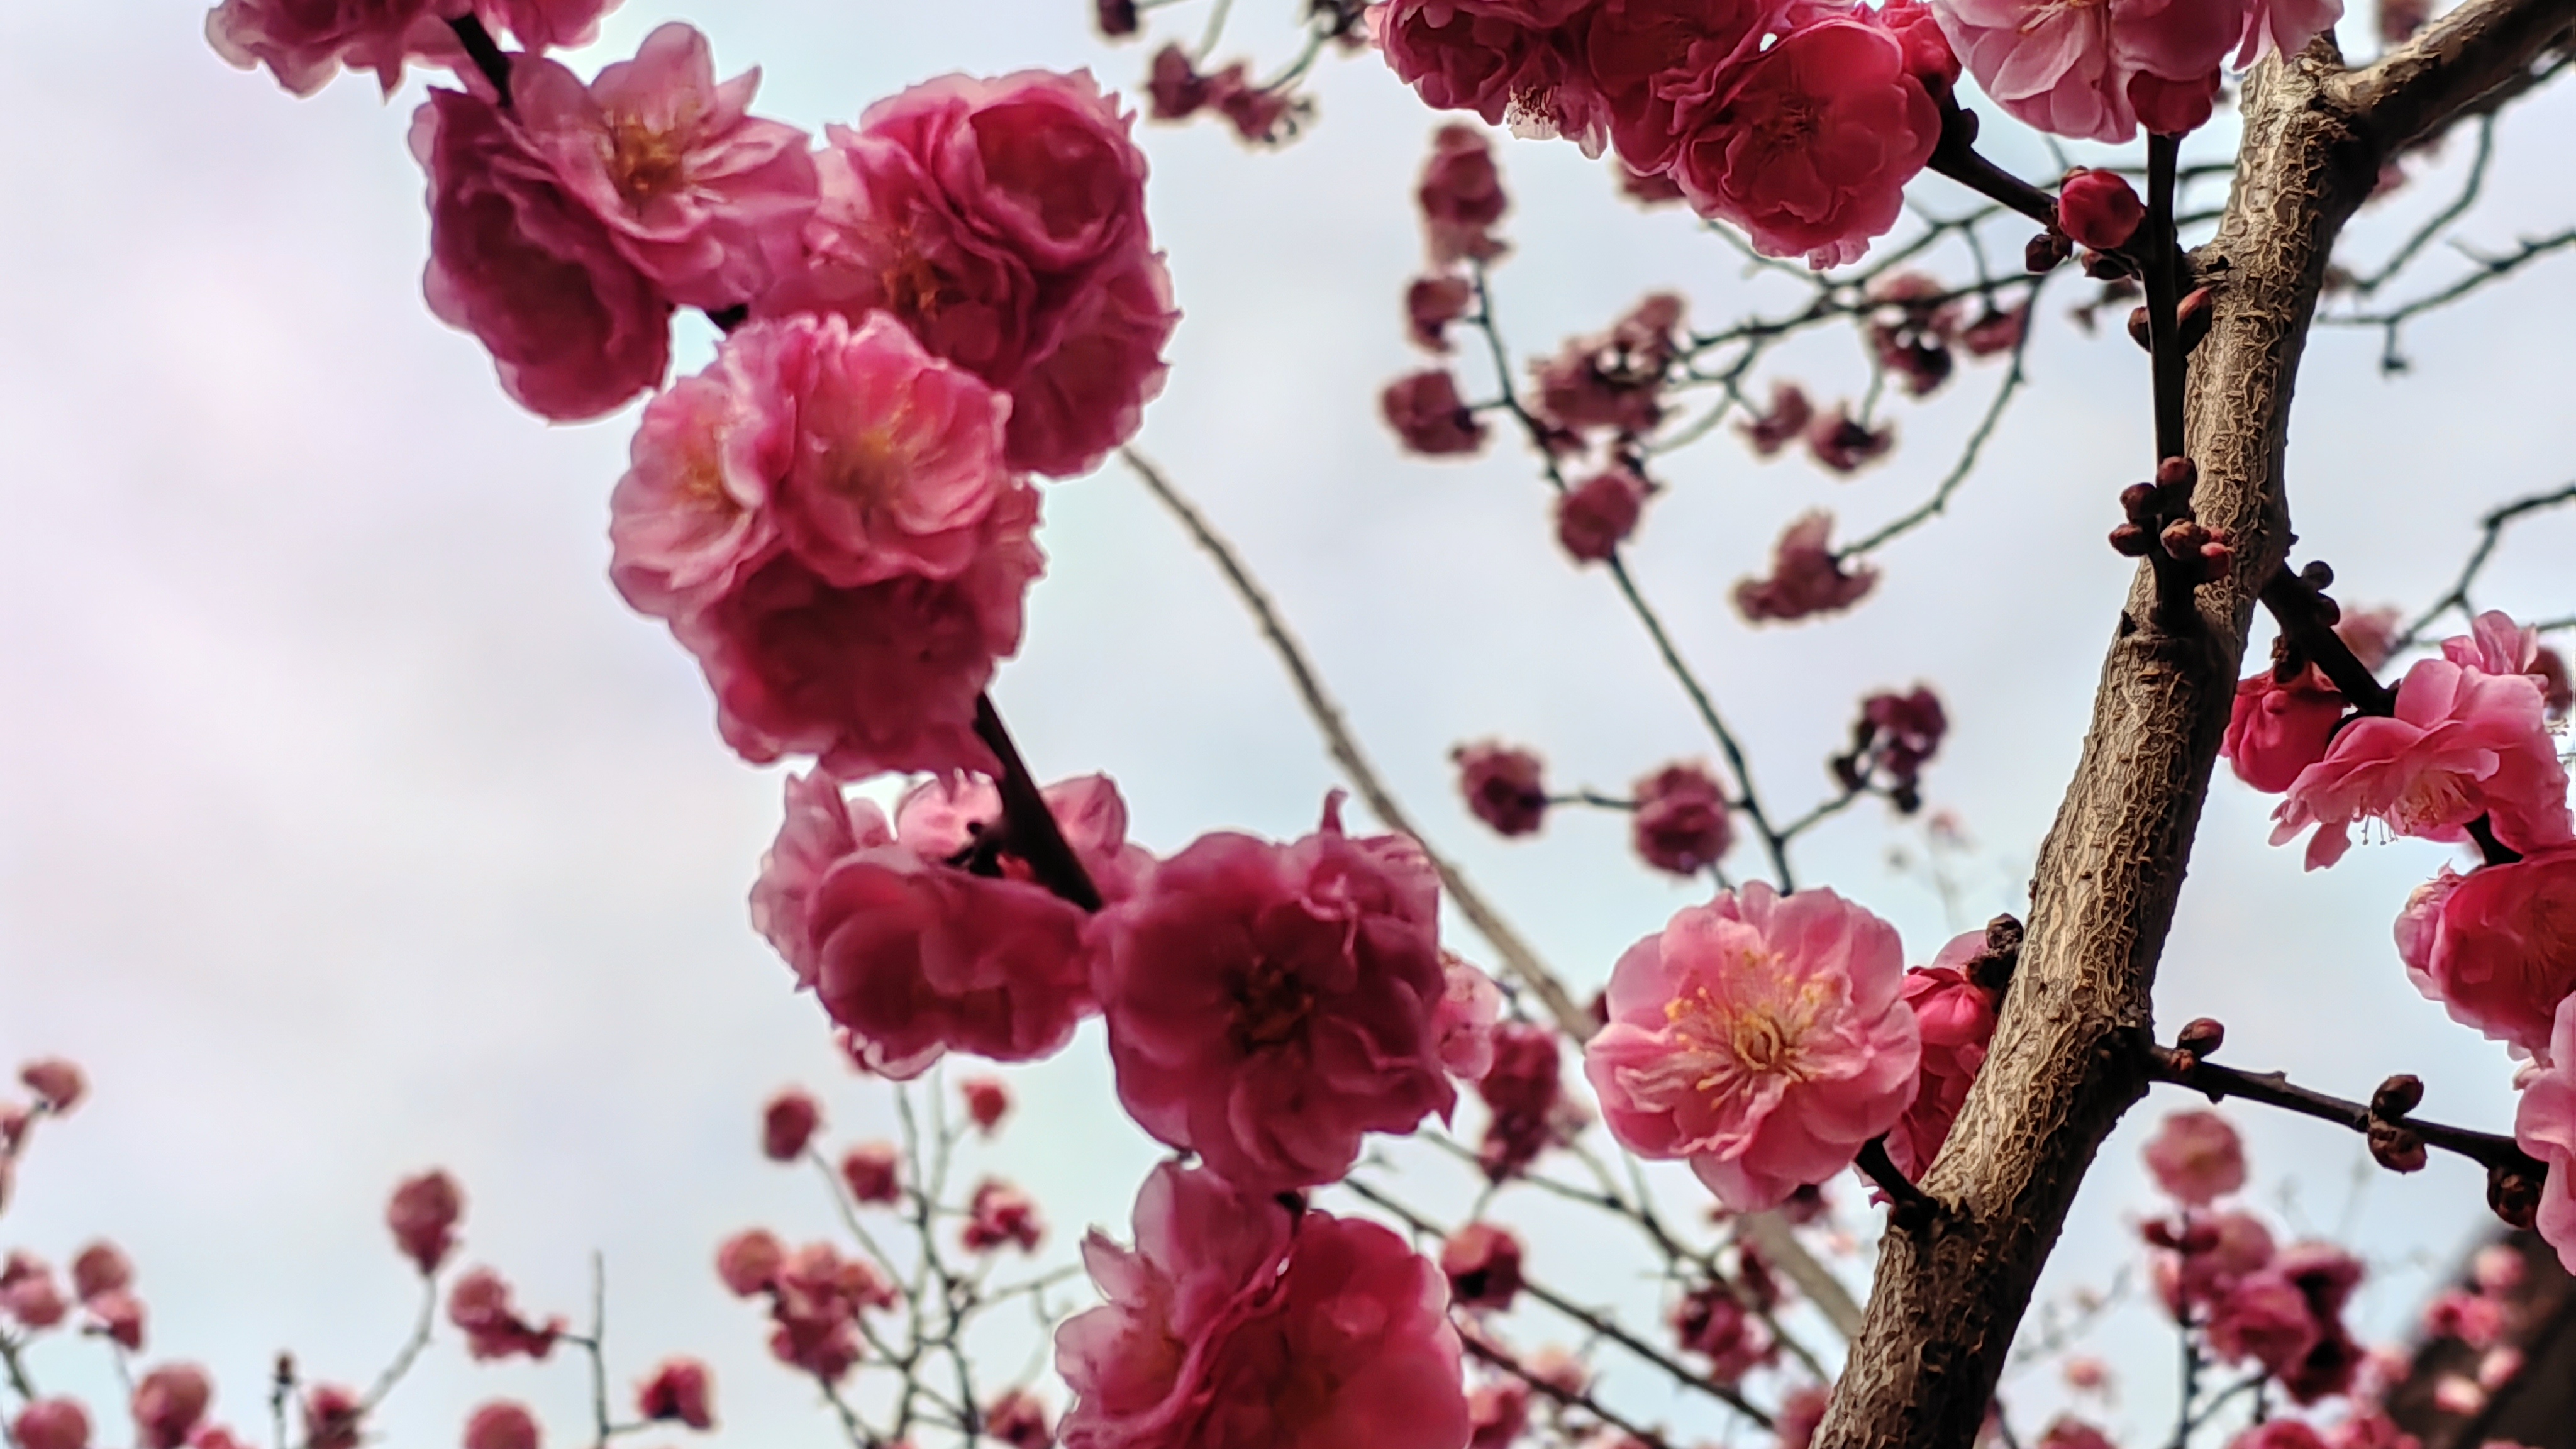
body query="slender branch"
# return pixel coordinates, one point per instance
(1576, 1397)
(596, 1345)
(1518, 958)
(1035, 836)
(2303, 617)
(2491, 532)
(16, 1369)
(484, 51)
(2490, 269)
(2458, 207)
(1956, 157)
(409, 1353)
(2274, 1089)
(2449, 66)
(1939, 502)
(2163, 280)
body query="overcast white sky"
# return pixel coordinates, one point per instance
(348, 824)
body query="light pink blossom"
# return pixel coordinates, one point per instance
(1470, 1004)
(2069, 68)
(1808, 145)
(987, 1100)
(29, 1294)
(2497, 947)
(2464, 742)
(2196, 1157)
(748, 1262)
(304, 43)
(1763, 1038)
(2544, 1125)
(573, 327)
(2284, 27)
(1228, 1328)
(1806, 577)
(56, 1424)
(1956, 1016)
(546, 24)
(1268, 1005)
(708, 201)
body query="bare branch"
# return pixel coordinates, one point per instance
(2450, 66)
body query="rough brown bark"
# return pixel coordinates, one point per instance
(2065, 1064)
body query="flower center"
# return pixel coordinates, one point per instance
(912, 286)
(2430, 801)
(645, 162)
(1271, 1004)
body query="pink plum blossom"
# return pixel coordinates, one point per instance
(1229, 1327)
(100, 1269)
(2276, 730)
(1003, 222)
(706, 200)
(748, 1262)
(1763, 1038)
(304, 43)
(1808, 145)
(2099, 209)
(1428, 417)
(2465, 741)
(422, 1215)
(2207, 1257)
(1613, 379)
(118, 1315)
(1652, 63)
(1430, 305)
(872, 1172)
(1504, 786)
(57, 1083)
(1681, 824)
(1268, 1005)
(691, 513)
(1001, 1213)
(1957, 1018)
(2069, 68)
(1781, 424)
(2288, 1317)
(1470, 1005)
(480, 1305)
(546, 24)
(169, 1402)
(1597, 516)
(1505, 60)
(910, 945)
(987, 1102)
(573, 328)
(2497, 947)
(2279, 1434)
(2196, 1157)
(1461, 198)
(334, 1417)
(1806, 576)
(1524, 1096)
(29, 1294)
(501, 1425)
(1483, 1265)
(2284, 27)
(678, 1390)
(57, 1424)
(1712, 1322)
(787, 1123)
(2545, 1126)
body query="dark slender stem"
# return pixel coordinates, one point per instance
(2274, 1089)
(1939, 502)
(2490, 533)
(1911, 1207)
(1573, 1398)
(2302, 616)
(1034, 834)
(1956, 157)
(2164, 275)
(484, 51)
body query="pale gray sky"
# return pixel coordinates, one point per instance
(348, 824)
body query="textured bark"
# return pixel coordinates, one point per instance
(2065, 1062)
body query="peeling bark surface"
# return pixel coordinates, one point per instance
(2065, 1061)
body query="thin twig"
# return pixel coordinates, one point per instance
(2274, 1089)
(1939, 502)
(2423, 235)
(2491, 532)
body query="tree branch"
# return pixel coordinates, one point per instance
(2448, 68)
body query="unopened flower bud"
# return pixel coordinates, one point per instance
(870, 1171)
(2399, 1149)
(2183, 537)
(2045, 251)
(2397, 1096)
(987, 1101)
(2142, 328)
(2180, 473)
(2514, 1193)
(2105, 266)
(2201, 1037)
(2193, 317)
(1117, 18)
(423, 1216)
(2131, 541)
(787, 1124)
(2099, 209)
(2317, 574)
(501, 1425)
(2138, 501)
(56, 1082)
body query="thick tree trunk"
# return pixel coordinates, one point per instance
(2065, 1062)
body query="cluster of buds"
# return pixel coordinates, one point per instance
(1894, 738)
(2161, 526)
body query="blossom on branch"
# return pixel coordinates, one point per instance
(1232, 1325)
(1957, 1018)
(2497, 947)
(2544, 1125)
(1807, 578)
(1269, 1005)
(1503, 785)
(2276, 730)
(1764, 1038)
(422, 1215)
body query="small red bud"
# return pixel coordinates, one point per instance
(2131, 541)
(2141, 328)
(2514, 1194)
(2193, 318)
(2397, 1096)
(2045, 251)
(2138, 501)
(2399, 1149)
(2177, 473)
(2099, 209)
(2201, 1037)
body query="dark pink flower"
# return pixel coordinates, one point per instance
(1497, 1413)
(2099, 209)
(2204, 1255)
(1681, 822)
(2196, 1157)
(573, 327)
(1268, 1005)
(1613, 380)
(423, 1214)
(57, 1083)
(1784, 423)
(879, 677)
(1003, 221)
(1524, 1096)
(2276, 730)
(1483, 1265)
(788, 1123)
(333, 1417)
(1464, 1022)
(1425, 411)
(1763, 1038)
(1646, 63)
(1226, 1329)
(816, 1298)
(1845, 444)
(679, 1389)
(2071, 1433)
(2464, 742)
(706, 200)
(748, 1261)
(1597, 516)
(1173, 86)
(28, 1292)
(54, 1424)
(872, 1172)
(939, 938)
(501, 1424)
(1928, 56)
(1461, 197)
(100, 1269)
(988, 1101)
(1018, 1420)
(2288, 1317)
(2545, 1126)
(1995, 332)
(1957, 1019)
(1808, 144)
(1503, 786)
(1712, 1322)
(304, 43)
(480, 1305)
(119, 1315)
(169, 1403)
(2279, 1434)
(1502, 59)
(1430, 305)
(1000, 1213)
(2497, 947)
(1799, 1415)
(546, 24)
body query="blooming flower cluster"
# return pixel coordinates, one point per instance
(2099, 72)
(1798, 121)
